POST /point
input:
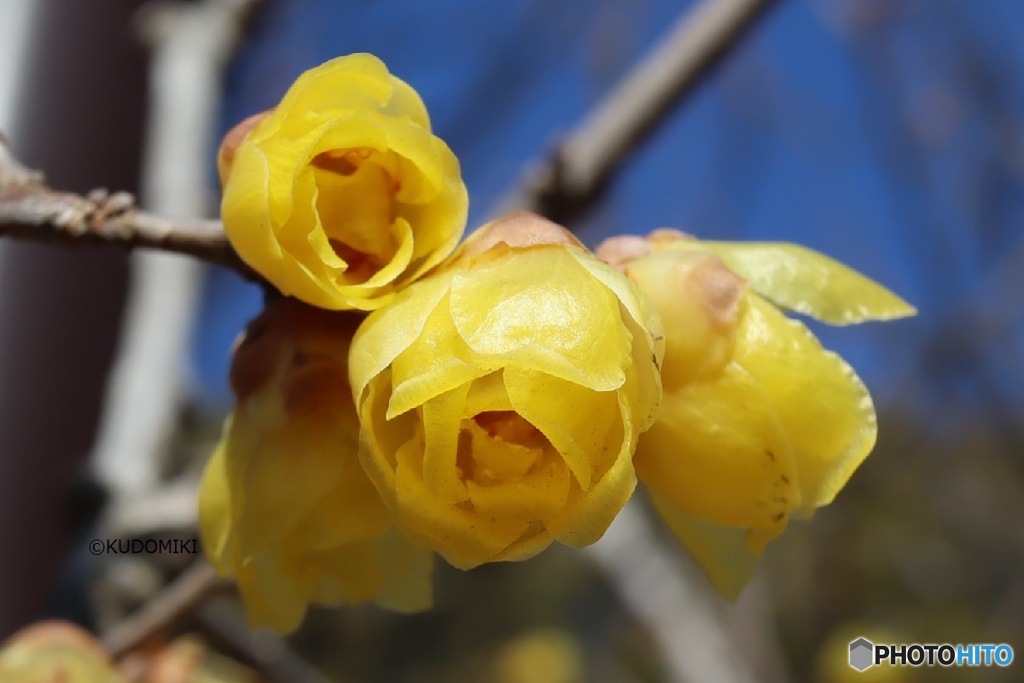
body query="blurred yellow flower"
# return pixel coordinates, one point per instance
(284, 505)
(543, 655)
(51, 651)
(341, 195)
(758, 421)
(501, 398)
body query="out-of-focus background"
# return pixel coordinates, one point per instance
(886, 133)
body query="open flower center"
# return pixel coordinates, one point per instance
(356, 191)
(499, 446)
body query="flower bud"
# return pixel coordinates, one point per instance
(285, 507)
(758, 422)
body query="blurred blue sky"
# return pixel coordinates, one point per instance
(886, 133)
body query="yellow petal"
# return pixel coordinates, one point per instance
(249, 226)
(823, 407)
(700, 301)
(637, 305)
(442, 418)
(273, 599)
(356, 81)
(448, 206)
(438, 361)
(380, 438)
(405, 102)
(353, 81)
(588, 514)
(719, 451)
(462, 537)
(408, 569)
(539, 309)
(355, 209)
(347, 574)
(353, 511)
(391, 330)
(215, 512)
(809, 282)
(284, 476)
(577, 424)
(488, 395)
(529, 485)
(720, 551)
(646, 331)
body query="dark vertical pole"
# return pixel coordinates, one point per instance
(79, 118)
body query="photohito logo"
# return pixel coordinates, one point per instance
(864, 654)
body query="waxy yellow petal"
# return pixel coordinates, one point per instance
(464, 538)
(341, 195)
(557, 319)
(720, 551)
(808, 282)
(821, 404)
(719, 451)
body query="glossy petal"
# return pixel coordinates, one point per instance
(821, 404)
(718, 450)
(463, 537)
(809, 282)
(559, 319)
(341, 195)
(577, 424)
(589, 514)
(388, 332)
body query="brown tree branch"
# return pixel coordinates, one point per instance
(174, 605)
(560, 187)
(30, 210)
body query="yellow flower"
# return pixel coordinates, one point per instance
(284, 505)
(50, 651)
(758, 421)
(341, 195)
(501, 398)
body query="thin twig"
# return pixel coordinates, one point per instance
(567, 183)
(30, 210)
(224, 623)
(174, 605)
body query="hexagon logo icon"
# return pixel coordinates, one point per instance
(862, 654)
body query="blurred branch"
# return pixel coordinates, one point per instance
(265, 652)
(168, 507)
(566, 184)
(30, 210)
(190, 44)
(172, 606)
(672, 599)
